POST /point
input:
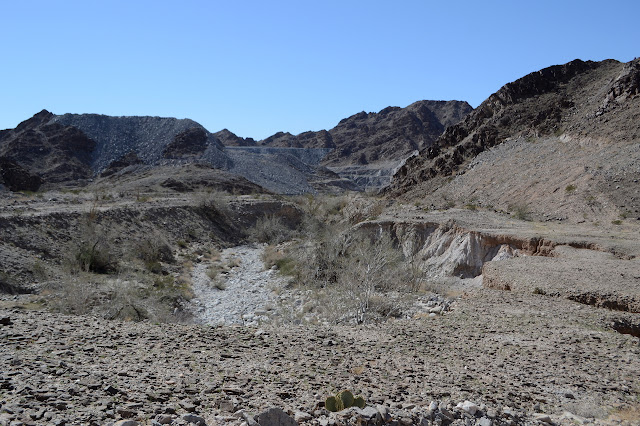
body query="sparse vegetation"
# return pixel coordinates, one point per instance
(343, 400)
(570, 188)
(285, 264)
(215, 204)
(520, 211)
(270, 229)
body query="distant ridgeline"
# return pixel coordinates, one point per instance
(364, 148)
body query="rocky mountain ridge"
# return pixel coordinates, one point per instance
(539, 103)
(563, 121)
(74, 148)
(367, 148)
(391, 134)
(45, 150)
(364, 149)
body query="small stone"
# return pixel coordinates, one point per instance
(275, 416)
(194, 419)
(483, 421)
(189, 407)
(446, 413)
(301, 416)
(575, 418)
(544, 418)
(227, 405)
(509, 411)
(125, 412)
(433, 406)
(164, 419)
(406, 421)
(384, 412)
(469, 407)
(249, 419)
(5, 320)
(126, 423)
(369, 412)
(111, 390)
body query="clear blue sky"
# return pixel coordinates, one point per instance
(257, 67)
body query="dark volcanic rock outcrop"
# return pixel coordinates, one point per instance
(229, 139)
(16, 177)
(51, 151)
(129, 159)
(320, 139)
(574, 100)
(390, 134)
(190, 143)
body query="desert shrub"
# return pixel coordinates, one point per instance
(39, 270)
(271, 257)
(570, 188)
(95, 256)
(362, 208)
(76, 295)
(91, 250)
(350, 269)
(213, 272)
(370, 266)
(152, 250)
(520, 211)
(132, 297)
(270, 229)
(215, 204)
(127, 301)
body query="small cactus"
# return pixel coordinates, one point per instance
(331, 404)
(346, 397)
(342, 400)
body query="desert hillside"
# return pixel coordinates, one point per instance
(557, 144)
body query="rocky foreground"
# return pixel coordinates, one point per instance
(496, 358)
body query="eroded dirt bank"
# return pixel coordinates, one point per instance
(595, 267)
